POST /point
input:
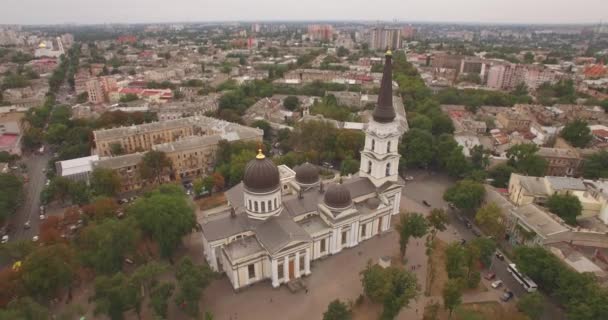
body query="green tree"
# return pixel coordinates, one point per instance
(11, 195)
(529, 57)
(480, 158)
(485, 248)
(489, 218)
(103, 246)
(105, 182)
(417, 148)
(438, 220)
(129, 97)
(501, 174)
(577, 133)
(596, 166)
(566, 206)
(155, 165)
(420, 121)
(164, 215)
(349, 166)
(24, 308)
(452, 295)
(56, 133)
(393, 286)
(532, 305)
(456, 163)
(455, 260)
(466, 195)
(524, 159)
(114, 295)
(337, 310)
(264, 125)
(191, 280)
(291, 103)
(146, 275)
(48, 269)
(410, 225)
(159, 299)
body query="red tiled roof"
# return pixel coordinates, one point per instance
(128, 90)
(602, 133)
(595, 70)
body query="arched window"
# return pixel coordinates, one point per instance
(373, 145)
(269, 205)
(388, 169)
(369, 167)
(388, 146)
(256, 206)
(250, 207)
(263, 206)
(275, 203)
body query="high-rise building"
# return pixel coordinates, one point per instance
(95, 91)
(320, 32)
(382, 38)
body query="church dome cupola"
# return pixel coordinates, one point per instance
(337, 196)
(384, 111)
(307, 174)
(261, 175)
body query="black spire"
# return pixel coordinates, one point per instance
(384, 111)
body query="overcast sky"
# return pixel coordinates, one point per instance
(132, 11)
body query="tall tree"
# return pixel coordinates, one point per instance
(417, 148)
(114, 295)
(191, 280)
(392, 286)
(159, 299)
(103, 246)
(466, 195)
(532, 305)
(523, 157)
(501, 175)
(489, 218)
(11, 195)
(596, 166)
(577, 133)
(410, 225)
(25, 309)
(452, 295)
(438, 220)
(105, 182)
(164, 215)
(566, 206)
(48, 269)
(337, 310)
(480, 157)
(155, 165)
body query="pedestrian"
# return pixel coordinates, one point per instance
(306, 290)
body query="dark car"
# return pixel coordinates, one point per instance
(426, 203)
(507, 296)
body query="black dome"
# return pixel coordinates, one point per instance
(337, 196)
(261, 175)
(307, 174)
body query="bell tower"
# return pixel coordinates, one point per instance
(380, 155)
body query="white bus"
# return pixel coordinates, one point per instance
(528, 284)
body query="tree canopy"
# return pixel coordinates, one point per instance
(466, 195)
(337, 310)
(596, 166)
(48, 269)
(165, 215)
(410, 225)
(11, 195)
(577, 133)
(566, 206)
(392, 286)
(489, 218)
(524, 159)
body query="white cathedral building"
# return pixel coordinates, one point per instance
(280, 220)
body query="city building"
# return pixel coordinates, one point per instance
(95, 91)
(382, 38)
(11, 132)
(127, 168)
(513, 121)
(280, 220)
(320, 32)
(143, 137)
(78, 169)
(561, 161)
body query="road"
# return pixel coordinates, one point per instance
(31, 206)
(430, 187)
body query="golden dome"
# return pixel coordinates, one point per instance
(42, 45)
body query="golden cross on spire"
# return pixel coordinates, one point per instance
(260, 153)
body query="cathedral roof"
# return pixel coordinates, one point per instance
(307, 173)
(384, 111)
(337, 196)
(261, 175)
(277, 232)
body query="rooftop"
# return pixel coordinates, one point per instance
(78, 165)
(542, 222)
(557, 153)
(188, 143)
(120, 161)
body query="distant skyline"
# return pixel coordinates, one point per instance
(151, 11)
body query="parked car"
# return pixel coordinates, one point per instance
(507, 296)
(409, 178)
(426, 203)
(27, 225)
(328, 165)
(35, 238)
(42, 217)
(490, 276)
(451, 205)
(496, 284)
(5, 238)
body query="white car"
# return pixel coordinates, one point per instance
(42, 217)
(5, 238)
(35, 238)
(409, 178)
(496, 284)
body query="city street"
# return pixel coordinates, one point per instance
(29, 211)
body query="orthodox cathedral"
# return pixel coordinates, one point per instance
(280, 220)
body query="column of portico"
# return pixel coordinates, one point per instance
(275, 273)
(354, 234)
(286, 269)
(307, 262)
(297, 265)
(334, 242)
